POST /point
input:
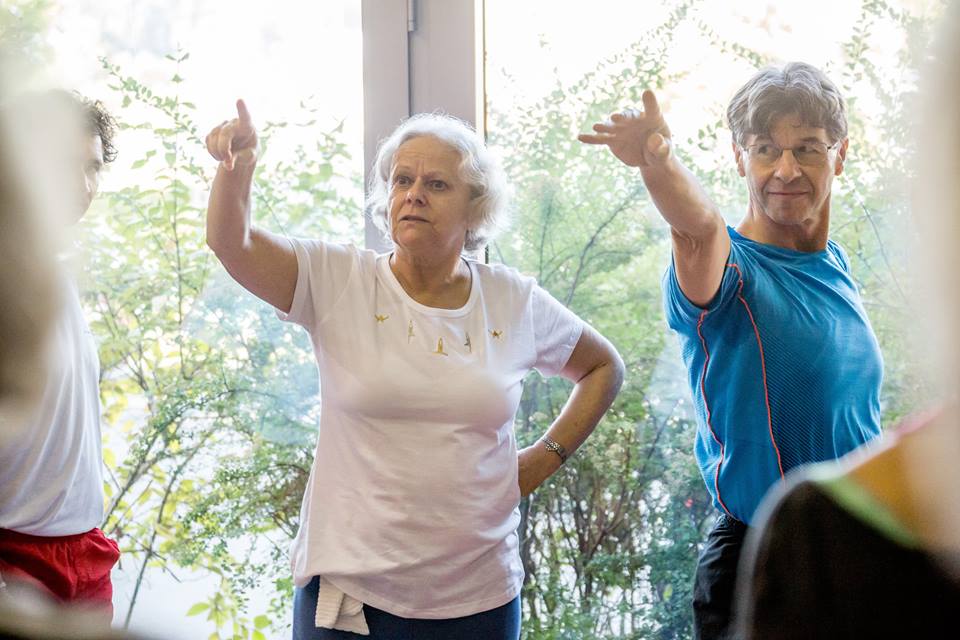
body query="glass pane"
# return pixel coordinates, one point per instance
(611, 541)
(209, 401)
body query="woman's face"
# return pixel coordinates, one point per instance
(429, 205)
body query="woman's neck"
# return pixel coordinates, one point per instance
(434, 282)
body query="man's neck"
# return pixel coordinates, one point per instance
(807, 238)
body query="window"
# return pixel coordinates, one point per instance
(209, 401)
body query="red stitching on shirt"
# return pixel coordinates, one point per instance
(706, 406)
(763, 364)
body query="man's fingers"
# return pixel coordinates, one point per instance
(595, 139)
(658, 146)
(603, 127)
(650, 105)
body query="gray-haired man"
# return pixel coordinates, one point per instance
(782, 362)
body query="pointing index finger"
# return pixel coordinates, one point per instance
(650, 105)
(243, 114)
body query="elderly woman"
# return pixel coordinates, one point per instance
(408, 524)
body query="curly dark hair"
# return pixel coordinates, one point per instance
(98, 120)
(101, 123)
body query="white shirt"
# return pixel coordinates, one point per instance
(411, 505)
(51, 481)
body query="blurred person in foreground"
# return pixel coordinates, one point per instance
(869, 547)
(781, 359)
(51, 485)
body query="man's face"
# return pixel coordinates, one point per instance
(84, 172)
(68, 162)
(793, 190)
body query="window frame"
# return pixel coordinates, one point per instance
(419, 56)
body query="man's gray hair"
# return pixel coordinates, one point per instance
(797, 88)
(479, 168)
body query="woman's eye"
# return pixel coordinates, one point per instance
(439, 185)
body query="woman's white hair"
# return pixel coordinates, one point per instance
(479, 168)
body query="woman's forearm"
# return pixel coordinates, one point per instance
(592, 395)
(228, 211)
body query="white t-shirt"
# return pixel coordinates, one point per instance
(411, 505)
(51, 481)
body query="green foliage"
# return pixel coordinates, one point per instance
(23, 46)
(210, 402)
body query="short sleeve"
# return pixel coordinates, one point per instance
(841, 256)
(682, 314)
(556, 332)
(323, 273)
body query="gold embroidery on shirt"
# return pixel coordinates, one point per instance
(410, 333)
(468, 344)
(380, 318)
(440, 351)
(497, 334)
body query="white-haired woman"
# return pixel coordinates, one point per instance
(408, 524)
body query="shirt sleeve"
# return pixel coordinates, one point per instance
(323, 273)
(556, 331)
(682, 314)
(841, 256)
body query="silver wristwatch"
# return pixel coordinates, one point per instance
(556, 447)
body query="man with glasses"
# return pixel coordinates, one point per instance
(782, 362)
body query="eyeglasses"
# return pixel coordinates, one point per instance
(809, 154)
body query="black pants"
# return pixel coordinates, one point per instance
(716, 579)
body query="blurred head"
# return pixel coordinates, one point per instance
(789, 140)
(65, 138)
(428, 144)
(936, 203)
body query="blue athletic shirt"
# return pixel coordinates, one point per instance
(783, 364)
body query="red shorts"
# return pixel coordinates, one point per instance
(70, 568)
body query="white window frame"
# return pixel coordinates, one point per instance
(418, 56)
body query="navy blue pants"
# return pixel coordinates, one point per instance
(502, 623)
(716, 580)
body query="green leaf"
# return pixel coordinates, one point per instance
(198, 608)
(261, 621)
